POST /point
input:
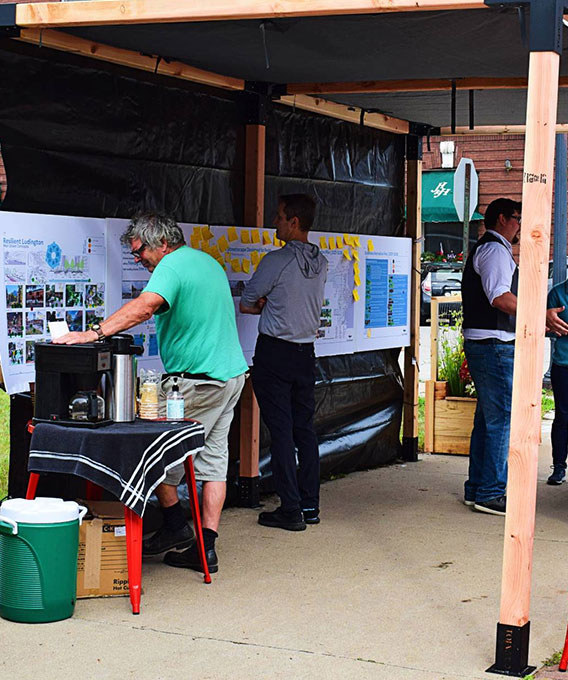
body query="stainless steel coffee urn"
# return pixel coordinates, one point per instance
(124, 353)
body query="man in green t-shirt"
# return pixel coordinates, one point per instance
(190, 296)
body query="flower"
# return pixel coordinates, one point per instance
(452, 364)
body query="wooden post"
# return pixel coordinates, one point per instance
(250, 415)
(412, 353)
(514, 625)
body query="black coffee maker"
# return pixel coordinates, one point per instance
(69, 382)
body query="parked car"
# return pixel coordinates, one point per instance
(438, 280)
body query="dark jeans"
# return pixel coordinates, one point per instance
(283, 377)
(491, 367)
(559, 434)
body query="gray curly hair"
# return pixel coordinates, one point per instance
(153, 229)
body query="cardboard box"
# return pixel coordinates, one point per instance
(102, 569)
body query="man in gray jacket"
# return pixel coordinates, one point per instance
(287, 291)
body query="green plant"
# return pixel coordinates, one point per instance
(553, 659)
(547, 403)
(452, 364)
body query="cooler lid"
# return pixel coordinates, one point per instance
(41, 510)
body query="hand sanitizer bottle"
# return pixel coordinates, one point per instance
(174, 403)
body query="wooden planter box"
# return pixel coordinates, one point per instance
(448, 421)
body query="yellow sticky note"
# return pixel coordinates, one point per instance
(346, 253)
(246, 266)
(266, 239)
(236, 265)
(347, 239)
(356, 268)
(355, 294)
(254, 256)
(323, 243)
(368, 332)
(214, 252)
(228, 257)
(232, 234)
(332, 242)
(370, 246)
(206, 233)
(357, 280)
(245, 236)
(194, 241)
(356, 241)
(255, 236)
(196, 233)
(262, 255)
(223, 243)
(339, 241)
(355, 254)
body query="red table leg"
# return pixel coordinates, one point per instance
(32, 486)
(93, 492)
(134, 556)
(194, 504)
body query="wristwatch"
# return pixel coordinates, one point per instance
(98, 330)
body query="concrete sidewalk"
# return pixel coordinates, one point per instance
(400, 581)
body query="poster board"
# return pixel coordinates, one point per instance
(56, 267)
(51, 268)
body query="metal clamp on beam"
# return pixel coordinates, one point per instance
(257, 99)
(8, 28)
(413, 148)
(545, 34)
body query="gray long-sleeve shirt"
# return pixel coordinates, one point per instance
(292, 279)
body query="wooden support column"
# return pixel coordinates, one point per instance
(514, 624)
(253, 217)
(411, 353)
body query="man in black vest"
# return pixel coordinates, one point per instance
(489, 293)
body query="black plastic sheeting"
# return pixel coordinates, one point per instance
(92, 141)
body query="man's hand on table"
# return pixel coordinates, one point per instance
(76, 338)
(554, 324)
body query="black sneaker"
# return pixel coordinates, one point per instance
(189, 559)
(166, 539)
(280, 519)
(558, 475)
(311, 515)
(495, 506)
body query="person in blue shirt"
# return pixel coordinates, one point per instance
(558, 302)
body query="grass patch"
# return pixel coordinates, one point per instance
(547, 402)
(553, 659)
(4, 442)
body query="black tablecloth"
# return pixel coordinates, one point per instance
(127, 459)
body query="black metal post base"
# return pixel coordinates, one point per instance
(249, 492)
(410, 449)
(512, 651)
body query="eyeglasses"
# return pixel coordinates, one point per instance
(137, 254)
(516, 217)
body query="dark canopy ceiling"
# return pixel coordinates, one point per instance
(392, 46)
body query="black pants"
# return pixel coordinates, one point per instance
(283, 378)
(559, 434)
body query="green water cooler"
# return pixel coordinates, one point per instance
(39, 542)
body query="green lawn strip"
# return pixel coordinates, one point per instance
(4, 442)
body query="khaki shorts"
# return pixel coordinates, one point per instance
(212, 403)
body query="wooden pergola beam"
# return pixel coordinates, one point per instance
(495, 130)
(380, 121)
(116, 12)
(426, 85)
(69, 43)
